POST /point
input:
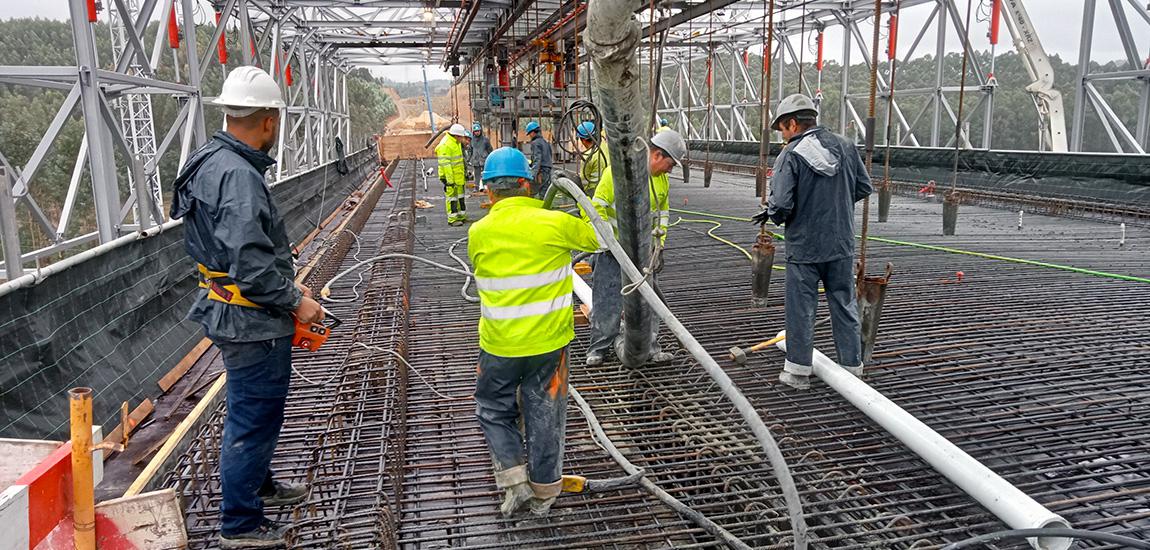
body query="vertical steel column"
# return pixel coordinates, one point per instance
(844, 109)
(612, 40)
(191, 49)
(1080, 99)
(1134, 59)
(105, 189)
(9, 229)
(939, 58)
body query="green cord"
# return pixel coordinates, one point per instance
(936, 248)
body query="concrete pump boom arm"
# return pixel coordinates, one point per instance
(1047, 99)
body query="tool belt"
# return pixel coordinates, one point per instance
(221, 288)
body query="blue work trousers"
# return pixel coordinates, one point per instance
(802, 302)
(607, 305)
(259, 374)
(535, 388)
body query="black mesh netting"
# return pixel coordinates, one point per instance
(115, 322)
(1102, 178)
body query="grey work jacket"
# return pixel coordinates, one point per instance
(478, 150)
(540, 156)
(231, 225)
(818, 177)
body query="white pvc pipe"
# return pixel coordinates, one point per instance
(582, 291)
(1002, 499)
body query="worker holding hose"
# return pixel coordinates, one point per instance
(247, 300)
(595, 159)
(453, 172)
(667, 150)
(521, 255)
(818, 178)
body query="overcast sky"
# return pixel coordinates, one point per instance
(1058, 22)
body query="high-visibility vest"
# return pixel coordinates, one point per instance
(660, 189)
(450, 155)
(521, 256)
(594, 164)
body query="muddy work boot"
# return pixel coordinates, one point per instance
(661, 357)
(856, 371)
(544, 495)
(516, 489)
(796, 376)
(594, 359)
(284, 494)
(268, 535)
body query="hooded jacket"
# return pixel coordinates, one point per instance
(818, 177)
(231, 225)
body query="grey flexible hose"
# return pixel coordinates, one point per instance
(690, 513)
(746, 410)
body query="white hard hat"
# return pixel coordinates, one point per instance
(247, 90)
(672, 143)
(458, 130)
(795, 103)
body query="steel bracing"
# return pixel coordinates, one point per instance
(523, 58)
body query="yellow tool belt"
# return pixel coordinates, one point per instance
(222, 289)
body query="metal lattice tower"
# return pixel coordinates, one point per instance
(136, 113)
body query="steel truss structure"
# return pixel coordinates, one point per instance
(529, 51)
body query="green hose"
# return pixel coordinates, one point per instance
(950, 250)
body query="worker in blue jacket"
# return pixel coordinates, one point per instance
(248, 301)
(818, 178)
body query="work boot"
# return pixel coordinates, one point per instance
(514, 497)
(796, 381)
(285, 494)
(661, 357)
(268, 535)
(594, 358)
(541, 507)
(544, 496)
(796, 376)
(856, 371)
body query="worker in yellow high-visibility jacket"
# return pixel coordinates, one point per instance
(667, 150)
(453, 172)
(595, 159)
(521, 255)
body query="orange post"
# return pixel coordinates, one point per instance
(83, 485)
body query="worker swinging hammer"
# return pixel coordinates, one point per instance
(249, 304)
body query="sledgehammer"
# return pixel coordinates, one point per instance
(739, 355)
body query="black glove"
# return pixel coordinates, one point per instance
(761, 218)
(443, 180)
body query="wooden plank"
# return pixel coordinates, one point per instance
(182, 367)
(142, 411)
(193, 420)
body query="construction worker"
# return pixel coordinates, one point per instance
(595, 160)
(477, 153)
(235, 235)
(453, 173)
(540, 159)
(667, 149)
(521, 254)
(818, 177)
(664, 125)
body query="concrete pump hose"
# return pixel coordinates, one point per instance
(746, 410)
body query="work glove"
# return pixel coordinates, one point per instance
(761, 218)
(443, 180)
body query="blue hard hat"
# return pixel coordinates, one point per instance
(586, 129)
(506, 161)
(663, 122)
(477, 127)
(532, 126)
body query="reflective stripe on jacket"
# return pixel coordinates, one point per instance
(521, 255)
(660, 189)
(450, 155)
